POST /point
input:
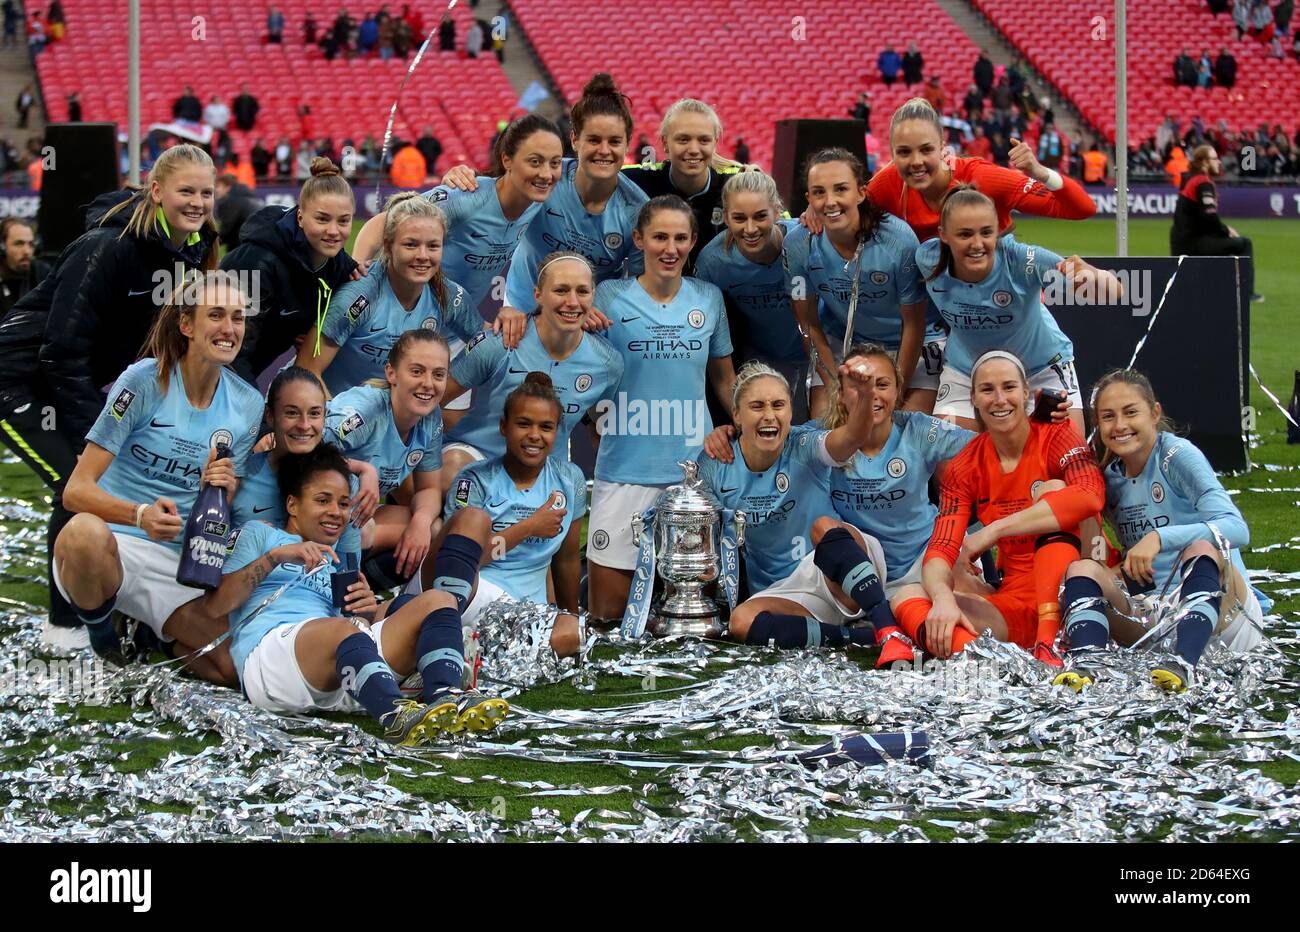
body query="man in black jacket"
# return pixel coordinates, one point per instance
(188, 107)
(20, 271)
(245, 109)
(430, 148)
(1225, 69)
(235, 204)
(984, 73)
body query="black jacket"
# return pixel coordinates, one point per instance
(13, 289)
(913, 67)
(76, 331)
(245, 111)
(291, 296)
(233, 210)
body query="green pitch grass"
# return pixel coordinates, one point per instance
(1275, 351)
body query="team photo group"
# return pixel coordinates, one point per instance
(306, 473)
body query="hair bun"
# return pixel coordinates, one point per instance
(539, 378)
(321, 166)
(601, 85)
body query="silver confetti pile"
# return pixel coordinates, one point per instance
(699, 741)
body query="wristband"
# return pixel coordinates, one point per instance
(139, 514)
(1053, 182)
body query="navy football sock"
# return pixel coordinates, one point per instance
(455, 566)
(102, 636)
(797, 631)
(1084, 627)
(1196, 627)
(440, 651)
(842, 559)
(365, 675)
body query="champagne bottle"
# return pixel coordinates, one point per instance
(203, 545)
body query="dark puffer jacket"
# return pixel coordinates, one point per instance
(75, 332)
(289, 297)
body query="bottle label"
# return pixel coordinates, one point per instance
(205, 552)
(216, 529)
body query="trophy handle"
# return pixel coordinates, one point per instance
(740, 529)
(638, 525)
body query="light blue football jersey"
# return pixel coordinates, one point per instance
(780, 503)
(360, 423)
(160, 442)
(759, 294)
(659, 417)
(887, 495)
(590, 373)
(564, 223)
(1005, 311)
(308, 598)
(887, 279)
(486, 485)
(365, 319)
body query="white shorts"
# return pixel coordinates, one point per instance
(486, 593)
(1244, 629)
(609, 524)
(928, 367)
(273, 680)
(807, 586)
(474, 453)
(149, 591)
(954, 389)
(912, 576)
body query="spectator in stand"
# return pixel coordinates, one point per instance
(979, 146)
(216, 114)
(984, 74)
(387, 29)
(235, 203)
(367, 35)
(474, 40)
(1096, 167)
(1275, 48)
(309, 29)
(341, 35)
(1241, 16)
(409, 170)
(56, 22)
(1205, 71)
(1050, 146)
(1225, 69)
(306, 126)
(403, 37)
(1176, 165)
(1003, 95)
(275, 27)
(1001, 149)
(414, 19)
(934, 94)
(889, 62)
(1262, 26)
(36, 36)
(1184, 70)
(74, 107)
(431, 149)
(862, 110)
(913, 65)
(20, 270)
(741, 154)
(1218, 6)
(1198, 230)
(11, 23)
(325, 149)
(447, 33)
(973, 105)
(245, 109)
(370, 154)
(302, 161)
(283, 158)
(1282, 14)
(261, 158)
(188, 107)
(1166, 134)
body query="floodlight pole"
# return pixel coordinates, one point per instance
(1121, 129)
(133, 91)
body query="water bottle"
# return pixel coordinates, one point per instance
(203, 551)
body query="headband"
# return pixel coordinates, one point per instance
(999, 354)
(575, 258)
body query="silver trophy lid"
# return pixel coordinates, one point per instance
(689, 497)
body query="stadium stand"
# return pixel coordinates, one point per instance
(754, 68)
(1062, 48)
(461, 98)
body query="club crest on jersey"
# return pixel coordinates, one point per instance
(600, 540)
(944, 389)
(1157, 492)
(1002, 298)
(462, 491)
(122, 402)
(695, 318)
(221, 436)
(358, 308)
(614, 240)
(716, 217)
(430, 323)
(782, 482)
(436, 196)
(897, 468)
(582, 382)
(350, 423)
(879, 278)
(413, 458)
(560, 501)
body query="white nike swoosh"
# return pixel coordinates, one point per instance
(132, 294)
